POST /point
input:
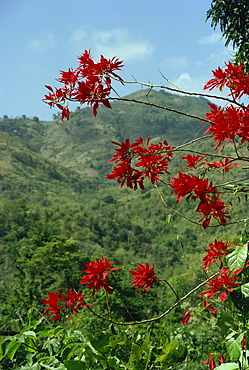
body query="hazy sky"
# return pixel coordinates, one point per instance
(41, 37)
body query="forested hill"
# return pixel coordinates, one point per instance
(57, 210)
(83, 143)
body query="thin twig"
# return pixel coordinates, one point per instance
(179, 90)
(157, 317)
(174, 210)
(108, 306)
(161, 107)
(173, 290)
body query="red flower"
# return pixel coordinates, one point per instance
(219, 80)
(75, 301)
(54, 301)
(96, 275)
(188, 314)
(212, 207)
(225, 165)
(69, 78)
(90, 83)
(209, 307)
(190, 184)
(153, 165)
(144, 276)
(153, 160)
(232, 77)
(210, 361)
(193, 160)
(225, 281)
(215, 252)
(125, 174)
(65, 113)
(124, 153)
(227, 123)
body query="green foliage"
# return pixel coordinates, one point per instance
(41, 346)
(228, 366)
(57, 212)
(233, 19)
(237, 258)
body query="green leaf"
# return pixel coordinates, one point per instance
(237, 258)
(35, 366)
(135, 353)
(228, 366)
(173, 352)
(225, 322)
(245, 290)
(169, 219)
(1, 351)
(75, 365)
(29, 333)
(233, 345)
(52, 345)
(12, 348)
(52, 364)
(113, 362)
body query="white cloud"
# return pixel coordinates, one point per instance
(111, 43)
(195, 83)
(43, 42)
(176, 62)
(214, 38)
(183, 79)
(190, 83)
(78, 36)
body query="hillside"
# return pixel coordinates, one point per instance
(28, 175)
(57, 210)
(83, 143)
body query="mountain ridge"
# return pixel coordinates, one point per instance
(77, 151)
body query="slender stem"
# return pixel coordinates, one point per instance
(180, 300)
(179, 90)
(163, 107)
(233, 181)
(126, 308)
(174, 210)
(173, 290)
(108, 305)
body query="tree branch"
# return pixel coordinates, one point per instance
(157, 317)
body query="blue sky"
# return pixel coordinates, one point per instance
(41, 37)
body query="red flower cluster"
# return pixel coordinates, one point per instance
(196, 160)
(96, 275)
(90, 83)
(227, 123)
(232, 77)
(216, 251)
(210, 204)
(153, 159)
(224, 282)
(193, 160)
(144, 276)
(187, 315)
(96, 278)
(72, 302)
(211, 362)
(225, 165)
(209, 307)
